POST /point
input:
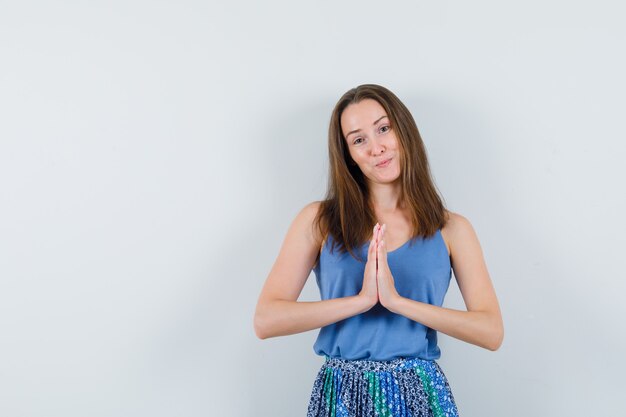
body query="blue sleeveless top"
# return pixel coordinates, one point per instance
(421, 270)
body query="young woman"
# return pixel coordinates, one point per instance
(382, 247)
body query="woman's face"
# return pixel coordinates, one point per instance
(371, 141)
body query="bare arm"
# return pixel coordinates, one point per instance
(277, 312)
(284, 317)
(481, 324)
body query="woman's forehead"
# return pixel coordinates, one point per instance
(361, 115)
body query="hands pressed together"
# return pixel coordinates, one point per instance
(378, 283)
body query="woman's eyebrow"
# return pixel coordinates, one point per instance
(379, 119)
(373, 124)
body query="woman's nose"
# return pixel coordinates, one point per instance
(377, 147)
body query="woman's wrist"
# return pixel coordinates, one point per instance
(365, 302)
(393, 304)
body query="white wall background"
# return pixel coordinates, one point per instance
(154, 153)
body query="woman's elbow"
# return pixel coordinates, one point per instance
(494, 345)
(260, 329)
(263, 325)
(497, 336)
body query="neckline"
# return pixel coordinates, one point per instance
(393, 251)
(404, 244)
(400, 247)
(364, 246)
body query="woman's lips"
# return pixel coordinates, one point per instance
(384, 164)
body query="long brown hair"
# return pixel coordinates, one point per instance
(347, 212)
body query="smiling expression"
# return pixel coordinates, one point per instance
(371, 141)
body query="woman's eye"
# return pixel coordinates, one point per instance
(384, 129)
(356, 141)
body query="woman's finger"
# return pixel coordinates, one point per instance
(372, 248)
(381, 253)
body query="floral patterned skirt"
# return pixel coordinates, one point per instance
(362, 388)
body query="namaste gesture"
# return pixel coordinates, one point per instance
(378, 283)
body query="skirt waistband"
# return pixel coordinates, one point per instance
(397, 364)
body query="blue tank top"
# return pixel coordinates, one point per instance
(421, 270)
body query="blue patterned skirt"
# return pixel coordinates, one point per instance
(366, 388)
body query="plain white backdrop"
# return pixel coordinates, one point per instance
(154, 153)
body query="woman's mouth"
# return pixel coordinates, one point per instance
(384, 163)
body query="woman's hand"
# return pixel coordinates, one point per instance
(369, 291)
(387, 293)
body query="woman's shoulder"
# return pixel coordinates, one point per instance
(454, 220)
(310, 210)
(313, 207)
(307, 216)
(456, 228)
